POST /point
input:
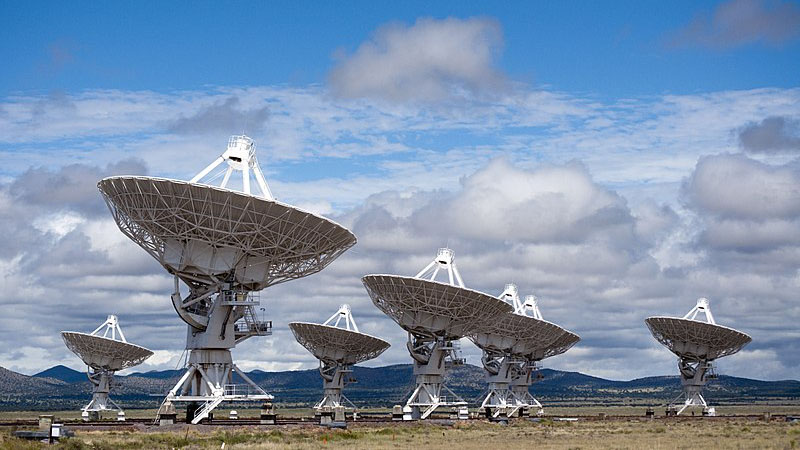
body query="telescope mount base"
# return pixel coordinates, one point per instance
(208, 381)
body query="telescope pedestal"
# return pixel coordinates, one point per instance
(208, 380)
(520, 388)
(429, 369)
(334, 377)
(499, 398)
(218, 318)
(101, 379)
(694, 376)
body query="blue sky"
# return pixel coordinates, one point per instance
(608, 50)
(618, 160)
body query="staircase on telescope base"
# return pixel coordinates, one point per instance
(207, 407)
(249, 325)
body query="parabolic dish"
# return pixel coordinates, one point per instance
(516, 334)
(337, 344)
(432, 308)
(200, 232)
(696, 340)
(561, 345)
(103, 353)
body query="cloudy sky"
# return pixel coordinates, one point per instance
(616, 163)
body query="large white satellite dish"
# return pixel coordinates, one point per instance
(696, 344)
(512, 343)
(338, 347)
(103, 355)
(435, 315)
(223, 245)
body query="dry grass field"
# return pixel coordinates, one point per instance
(689, 433)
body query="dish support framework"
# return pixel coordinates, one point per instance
(432, 357)
(527, 373)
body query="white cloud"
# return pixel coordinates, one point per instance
(429, 61)
(581, 203)
(735, 186)
(739, 22)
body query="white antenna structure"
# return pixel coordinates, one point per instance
(338, 348)
(529, 307)
(343, 314)
(701, 307)
(104, 351)
(111, 325)
(445, 259)
(696, 344)
(241, 156)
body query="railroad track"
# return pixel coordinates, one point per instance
(369, 420)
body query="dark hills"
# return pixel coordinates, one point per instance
(63, 388)
(62, 373)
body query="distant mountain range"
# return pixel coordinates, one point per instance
(60, 387)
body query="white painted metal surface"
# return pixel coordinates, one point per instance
(512, 344)
(696, 344)
(338, 349)
(435, 315)
(240, 156)
(223, 245)
(103, 355)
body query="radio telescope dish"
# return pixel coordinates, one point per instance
(696, 344)
(512, 344)
(100, 352)
(202, 233)
(337, 349)
(564, 342)
(435, 315)
(104, 355)
(224, 245)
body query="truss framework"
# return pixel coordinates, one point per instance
(432, 357)
(523, 378)
(694, 376)
(208, 381)
(507, 379)
(205, 234)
